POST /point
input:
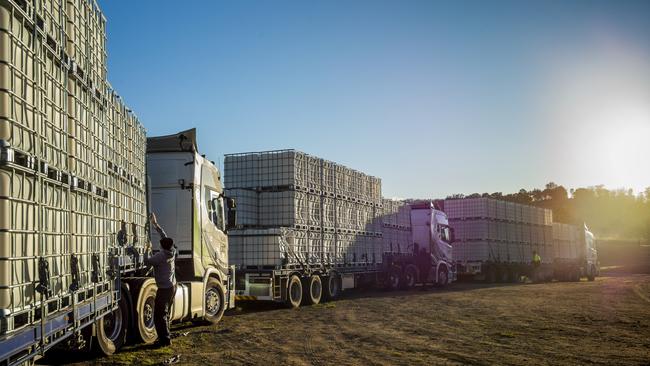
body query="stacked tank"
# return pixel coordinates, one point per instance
(71, 161)
(395, 221)
(297, 209)
(492, 230)
(568, 242)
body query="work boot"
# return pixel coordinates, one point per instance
(163, 343)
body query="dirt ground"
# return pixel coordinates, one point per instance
(601, 322)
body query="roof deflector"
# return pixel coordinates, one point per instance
(179, 142)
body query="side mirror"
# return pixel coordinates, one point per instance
(230, 203)
(231, 206)
(452, 235)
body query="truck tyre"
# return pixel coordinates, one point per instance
(502, 274)
(111, 330)
(513, 273)
(443, 276)
(332, 286)
(410, 277)
(591, 273)
(576, 275)
(294, 292)
(490, 274)
(314, 287)
(215, 303)
(394, 278)
(144, 325)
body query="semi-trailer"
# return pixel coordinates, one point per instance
(311, 228)
(496, 241)
(75, 196)
(84, 285)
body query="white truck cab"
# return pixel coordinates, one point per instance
(185, 192)
(432, 234)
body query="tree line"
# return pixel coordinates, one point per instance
(618, 213)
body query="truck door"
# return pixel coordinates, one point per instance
(214, 243)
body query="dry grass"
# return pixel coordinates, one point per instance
(601, 322)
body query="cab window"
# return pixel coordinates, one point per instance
(445, 233)
(213, 200)
(214, 204)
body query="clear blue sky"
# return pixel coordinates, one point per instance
(434, 97)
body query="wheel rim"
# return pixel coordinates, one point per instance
(333, 286)
(148, 312)
(394, 280)
(212, 302)
(113, 324)
(316, 289)
(443, 277)
(410, 279)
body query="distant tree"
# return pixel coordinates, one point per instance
(456, 196)
(608, 213)
(524, 197)
(551, 185)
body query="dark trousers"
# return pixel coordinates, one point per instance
(162, 308)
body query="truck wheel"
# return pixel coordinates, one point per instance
(394, 278)
(145, 327)
(443, 276)
(214, 301)
(294, 293)
(490, 275)
(314, 288)
(410, 277)
(591, 274)
(332, 286)
(502, 275)
(514, 275)
(576, 275)
(112, 328)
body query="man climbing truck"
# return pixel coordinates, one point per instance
(164, 264)
(186, 193)
(112, 294)
(184, 190)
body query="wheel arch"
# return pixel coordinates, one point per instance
(219, 276)
(441, 265)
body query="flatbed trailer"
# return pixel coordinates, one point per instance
(289, 277)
